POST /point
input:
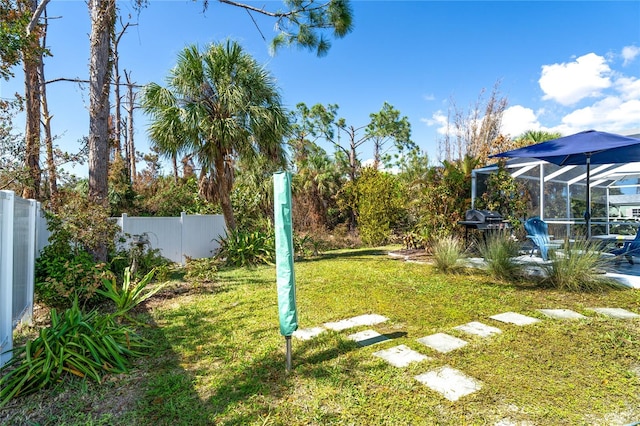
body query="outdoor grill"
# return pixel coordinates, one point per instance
(483, 220)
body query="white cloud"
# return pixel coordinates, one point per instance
(628, 87)
(437, 119)
(610, 114)
(629, 53)
(429, 97)
(568, 83)
(518, 119)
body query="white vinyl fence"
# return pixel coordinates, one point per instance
(176, 237)
(20, 223)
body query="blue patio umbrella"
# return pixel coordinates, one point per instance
(583, 148)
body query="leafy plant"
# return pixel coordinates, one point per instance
(130, 294)
(84, 345)
(447, 253)
(246, 248)
(63, 275)
(201, 270)
(498, 250)
(578, 267)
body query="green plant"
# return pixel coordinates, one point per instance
(201, 270)
(447, 253)
(82, 344)
(246, 248)
(63, 275)
(131, 293)
(498, 250)
(577, 267)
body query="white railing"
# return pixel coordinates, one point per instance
(19, 223)
(176, 237)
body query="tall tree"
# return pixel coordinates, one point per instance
(386, 126)
(220, 105)
(474, 132)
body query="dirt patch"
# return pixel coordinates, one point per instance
(416, 255)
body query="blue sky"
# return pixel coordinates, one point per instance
(563, 66)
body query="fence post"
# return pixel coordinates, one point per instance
(34, 211)
(183, 219)
(7, 202)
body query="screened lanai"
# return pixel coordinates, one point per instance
(558, 193)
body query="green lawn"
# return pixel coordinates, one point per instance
(219, 358)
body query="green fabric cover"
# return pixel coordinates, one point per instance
(285, 277)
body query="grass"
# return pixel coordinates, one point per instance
(219, 358)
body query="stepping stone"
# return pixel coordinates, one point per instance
(561, 314)
(308, 333)
(514, 318)
(449, 382)
(442, 342)
(478, 328)
(401, 356)
(617, 313)
(369, 319)
(368, 337)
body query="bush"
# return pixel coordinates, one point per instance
(201, 271)
(577, 267)
(130, 294)
(498, 250)
(447, 253)
(62, 277)
(246, 248)
(85, 345)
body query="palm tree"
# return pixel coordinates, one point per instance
(219, 106)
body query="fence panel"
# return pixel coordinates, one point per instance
(199, 234)
(176, 237)
(6, 275)
(24, 241)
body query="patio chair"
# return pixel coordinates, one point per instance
(629, 249)
(538, 233)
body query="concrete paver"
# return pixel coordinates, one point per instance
(442, 342)
(449, 382)
(514, 318)
(478, 329)
(401, 356)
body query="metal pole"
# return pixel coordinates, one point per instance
(288, 344)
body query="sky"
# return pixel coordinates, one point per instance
(563, 66)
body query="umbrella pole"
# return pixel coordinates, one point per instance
(587, 213)
(288, 344)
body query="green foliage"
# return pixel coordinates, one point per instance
(164, 196)
(577, 267)
(379, 200)
(506, 195)
(447, 254)
(439, 198)
(82, 344)
(201, 270)
(130, 294)
(246, 248)
(498, 250)
(140, 260)
(61, 277)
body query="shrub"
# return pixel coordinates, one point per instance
(201, 270)
(130, 293)
(498, 250)
(62, 277)
(85, 345)
(246, 248)
(447, 253)
(577, 267)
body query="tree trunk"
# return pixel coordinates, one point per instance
(223, 184)
(131, 149)
(102, 18)
(32, 130)
(46, 121)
